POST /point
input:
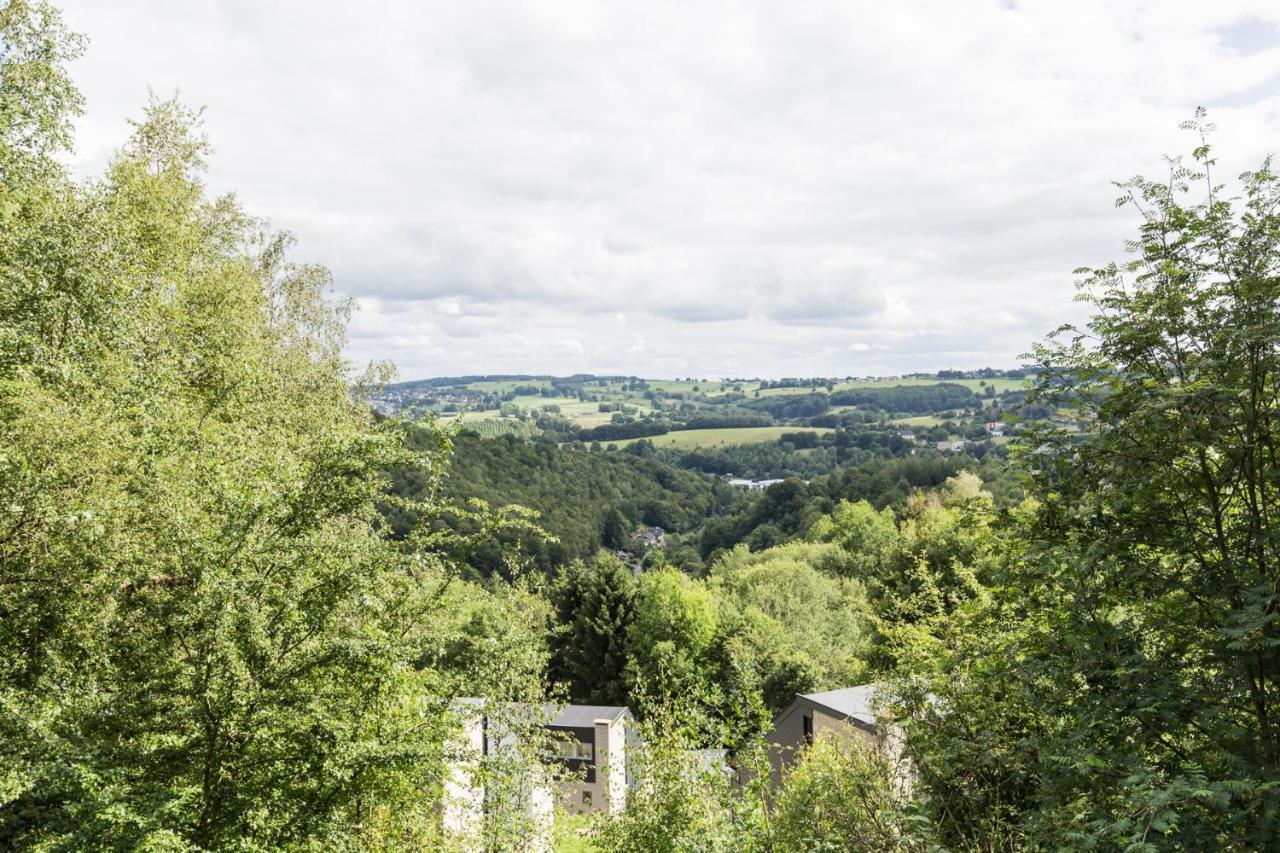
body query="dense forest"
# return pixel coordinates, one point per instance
(239, 606)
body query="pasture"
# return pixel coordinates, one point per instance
(687, 439)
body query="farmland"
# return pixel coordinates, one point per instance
(689, 438)
(708, 414)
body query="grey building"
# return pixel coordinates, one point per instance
(850, 711)
(591, 740)
(588, 741)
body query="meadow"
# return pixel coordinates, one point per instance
(686, 439)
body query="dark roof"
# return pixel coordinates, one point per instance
(585, 716)
(565, 716)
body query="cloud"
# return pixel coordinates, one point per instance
(720, 187)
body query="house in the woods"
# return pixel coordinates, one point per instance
(752, 485)
(588, 746)
(651, 537)
(852, 712)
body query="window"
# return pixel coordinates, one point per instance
(808, 728)
(576, 749)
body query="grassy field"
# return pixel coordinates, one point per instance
(688, 438)
(975, 385)
(1001, 385)
(918, 421)
(532, 401)
(502, 387)
(573, 834)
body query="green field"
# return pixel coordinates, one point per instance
(1001, 385)
(503, 386)
(688, 438)
(918, 421)
(975, 385)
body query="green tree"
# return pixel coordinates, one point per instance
(842, 795)
(206, 639)
(1157, 518)
(1118, 686)
(613, 532)
(596, 606)
(793, 613)
(672, 635)
(868, 536)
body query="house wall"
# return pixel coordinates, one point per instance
(788, 737)
(462, 812)
(602, 785)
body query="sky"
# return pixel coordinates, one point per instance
(739, 189)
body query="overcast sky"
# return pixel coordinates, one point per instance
(688, 188)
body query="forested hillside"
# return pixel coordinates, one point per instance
(584, 500)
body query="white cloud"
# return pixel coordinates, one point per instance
(706, 188)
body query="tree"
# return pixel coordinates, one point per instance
(671, 637)
(613, 532)
(596, 606)
(868, 536)
(795, 614)
(206, 639)
(1119, 684)
(842, 795)
(1159, 515)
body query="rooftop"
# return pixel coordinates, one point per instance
(856, 702)
(584, 716)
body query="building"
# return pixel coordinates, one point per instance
(586, 770)
(752, 485)
(591, 740)
(651, 537)
(850, 711)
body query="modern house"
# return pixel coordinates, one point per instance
(591, 741)
(850, 711)
(586, 770)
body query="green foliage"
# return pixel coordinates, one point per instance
(1116, 687)
(795, 614)
(574, 493)
(869, 537)
(842, 795)
(915, 399)
(596, 606)
(671, 637)
(206, 639)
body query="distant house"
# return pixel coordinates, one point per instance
(996, 428)
(950, 446)
(850, 711)
(752, 485)
(651, 537)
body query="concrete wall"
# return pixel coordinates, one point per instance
(602, 784)
(788, 738)
(462, 811)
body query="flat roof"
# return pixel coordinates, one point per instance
(585, 716)
(565, 716)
